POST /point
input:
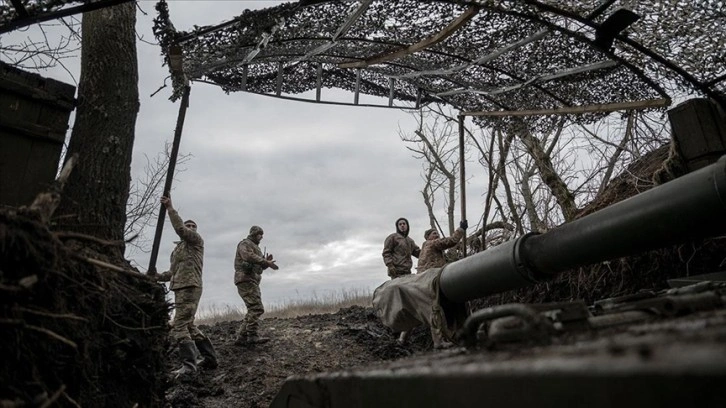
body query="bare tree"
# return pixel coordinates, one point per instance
(435, 142)
(142, 205)
(543, 162)
(538, 180)
(43, 46)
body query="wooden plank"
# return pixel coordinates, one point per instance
(436, 38)
(700, 132)
(64, 101)
(578, 70)
(342, 30)
(479, 61)
(352, 19)
(645, 104)
(486, 58)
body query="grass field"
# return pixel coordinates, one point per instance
(330, 303)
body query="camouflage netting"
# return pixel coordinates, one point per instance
(648, 271)
(508, 55)
(73, 334)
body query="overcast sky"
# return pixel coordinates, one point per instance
(326, 183)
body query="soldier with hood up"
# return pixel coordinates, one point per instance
(398, 249)
(185, 274)
(249, 262)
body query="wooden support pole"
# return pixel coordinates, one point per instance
(245, 73)
(319, 81)
(279, 78)
(357, 87)
(169, 178)
(462, 176)
(391, 85)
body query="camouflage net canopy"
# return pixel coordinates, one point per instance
(15, 14)
(475, 55)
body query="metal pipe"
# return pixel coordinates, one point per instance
(169, 178)
(689, 207)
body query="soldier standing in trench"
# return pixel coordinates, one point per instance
(185, 274)
(397, 251)
(249, 262)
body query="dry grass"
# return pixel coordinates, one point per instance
(330, 303)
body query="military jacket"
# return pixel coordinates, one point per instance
(397, 252)
(432, 251)
(249, 262)
(186, 259)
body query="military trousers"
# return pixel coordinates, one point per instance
(186, 302)
(250, 293)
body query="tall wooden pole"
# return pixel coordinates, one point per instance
(169, 178)
(462, 175)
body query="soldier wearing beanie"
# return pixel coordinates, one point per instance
(249, 262)
(432, 250)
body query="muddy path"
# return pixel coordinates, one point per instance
(252, 376)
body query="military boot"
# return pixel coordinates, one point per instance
(253, 338)
(207, 351)
(187, 354)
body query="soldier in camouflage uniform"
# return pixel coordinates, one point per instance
(397, 251)
(432, 250)
(185, 274)
(249, 262)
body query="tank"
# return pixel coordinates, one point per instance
(653, 348)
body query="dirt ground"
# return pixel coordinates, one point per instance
(353, 339)
(252, 376)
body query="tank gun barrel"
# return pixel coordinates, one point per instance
(690, 207)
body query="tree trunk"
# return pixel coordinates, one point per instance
(529, 205)
(95, 197)
(614, 159)
(449, 174)
(428, 194)
(551, 178)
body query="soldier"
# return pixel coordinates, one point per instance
(432, 250)
(249, 262)
(397, 251)
(185, 274)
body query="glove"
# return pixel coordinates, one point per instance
(464, 224)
